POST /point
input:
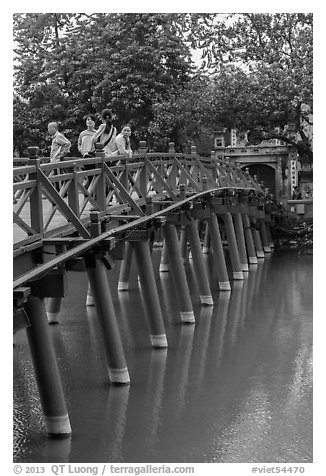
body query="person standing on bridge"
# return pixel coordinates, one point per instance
(85, 140)
(122, 142)
(106, 134)
(60, 144)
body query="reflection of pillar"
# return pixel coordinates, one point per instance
(218, 328)
(57, 450)
(115, 419)
(155, 394)
(200, 346)
(182, 367)
(234, 310)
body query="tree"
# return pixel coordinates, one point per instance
(275, 53)
(74, 64)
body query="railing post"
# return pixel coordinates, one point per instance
(72, 191)
(36, 209)
(171, 147)
(143, 172)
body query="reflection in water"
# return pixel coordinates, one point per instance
(234, 387)
(154, 390)
(57, 450)
(115, 422)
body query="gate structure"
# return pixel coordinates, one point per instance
(271, 164)
(69, 217)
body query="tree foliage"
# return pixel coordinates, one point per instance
(255, 74)
(69, 65)
(275, 51)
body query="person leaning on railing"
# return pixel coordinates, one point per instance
(60, 144)
(85, 140)
(59, 148)
(122, 142)
(106, 133)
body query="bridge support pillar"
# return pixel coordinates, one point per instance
(264, 237)
(123, 284)
(268, 230)
(46, 369)
(258, 244)
(218, 254)
(117, 366)
(89, 297)
(233, 247)
(150, 294)
(199, 265)
(164, 263)
(238, 226)
(183, 244)
(53, 309)
(178, 273)
(252, 257)
(206, 240)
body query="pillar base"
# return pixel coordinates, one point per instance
(267, 249)
(207, 300)
(224, 286)
(187, 316)
(119, 375)
(271, 245)
(237, 275)
(260, 255)
(253, 260)
(164, 268)
(159, 340)
(53, 317)
(123, 286)
(245, 267)
(205, 250)
(58, 425)
(90, 300)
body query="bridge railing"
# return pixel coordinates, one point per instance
(53, 199)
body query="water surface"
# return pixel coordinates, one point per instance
(236, 387)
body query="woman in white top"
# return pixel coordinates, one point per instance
(106, 134)
(85, 140)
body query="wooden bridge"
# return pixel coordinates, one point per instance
(87, 214)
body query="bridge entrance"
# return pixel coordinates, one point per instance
(272, 164)
(265, 174)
